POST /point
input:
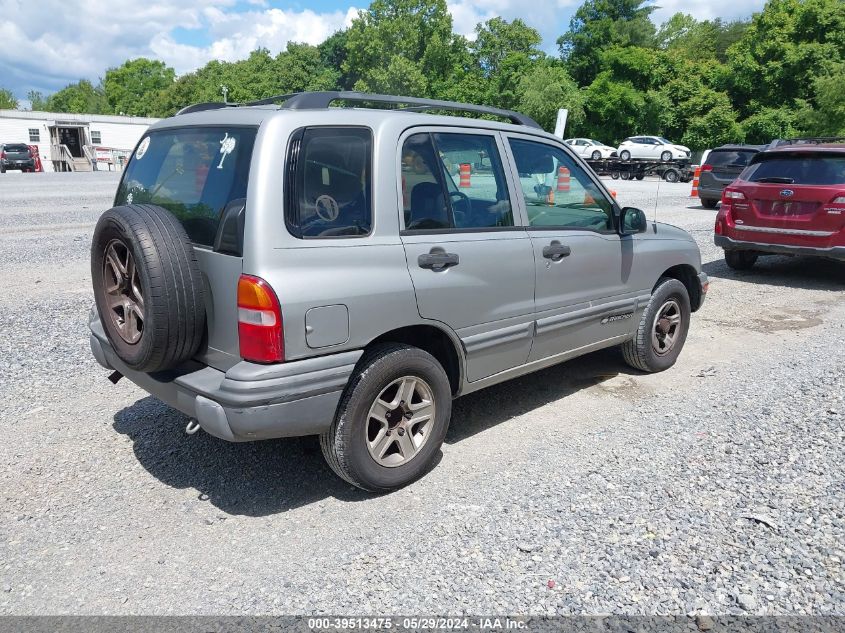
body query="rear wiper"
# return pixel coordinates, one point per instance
(777, 180)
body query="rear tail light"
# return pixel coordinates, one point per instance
(707, 168)
(2, 155)
(259, 321)
(733, 195)
(719, 228)
(838, 200)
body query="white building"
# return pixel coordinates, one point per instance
(73, 142)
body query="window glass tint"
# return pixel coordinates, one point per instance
(332, 183)
(192, 172)
(813, 169)
(551, 200)
(453, 181)
(729, 158)
(17, 147)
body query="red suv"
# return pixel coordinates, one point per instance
(789, 200)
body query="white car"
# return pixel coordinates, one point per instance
(652, 147)
(588, 148)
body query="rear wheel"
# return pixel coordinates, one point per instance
(640, 176)
(625, 175)
(709, 203)
(671, 175)
(740, 260)
(391, 420)
(663, 328)
(614, 175)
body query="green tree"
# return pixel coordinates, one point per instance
(600, 24)
(545, 89)
(37, 100)
(828, 117)
(82, 97)
(767, 124)
(613, 109)
(7, 100)
(133, 87)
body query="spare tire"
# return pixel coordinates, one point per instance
(147, 286)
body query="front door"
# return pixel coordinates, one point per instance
(71, 136)
(582, 264)
(471, 266)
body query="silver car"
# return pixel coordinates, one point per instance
(286, 268)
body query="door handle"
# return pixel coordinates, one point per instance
(438, 260)
(556, 251)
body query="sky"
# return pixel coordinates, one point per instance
(50, 43)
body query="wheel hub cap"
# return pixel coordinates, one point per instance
(122, 286)
(400, 421)
(667, 326)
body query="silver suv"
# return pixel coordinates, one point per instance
(285, 268)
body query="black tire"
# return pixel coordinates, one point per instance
(625, 175)
(740, 260)
(671, 175)
(640, 176)
(2, 169)
(596, 155)
(709, 203)
(666, 157)
(169, 280)
(640, 352)
(344, 445)
(614, 175)
(625, 155)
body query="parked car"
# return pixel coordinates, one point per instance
(789, 200)
(16, 156)
(332, 302)
(721, 168)
(652, 148)
(588, 148)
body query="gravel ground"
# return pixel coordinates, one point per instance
(715, 487)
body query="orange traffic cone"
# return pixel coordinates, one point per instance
(465, 176)
(563, 179)
(694, 192)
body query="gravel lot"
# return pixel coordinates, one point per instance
(714, 487)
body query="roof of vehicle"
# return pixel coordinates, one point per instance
(738, 147)
(808, 147)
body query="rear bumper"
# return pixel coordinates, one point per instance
(729, 243)
(15, 164)
(704, 285)
(249, 401)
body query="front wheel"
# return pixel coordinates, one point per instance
(663, 328)
(740, 260)
(625, 155)
(666, 156)
(596, 155)
(391, 420)
(671, 175)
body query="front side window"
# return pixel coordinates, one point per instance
(192, 172)
(329, 181)
(557, 192)
(454, 181)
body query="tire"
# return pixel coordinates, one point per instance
(625, 155)
(640, 176)
(709, 203)
(2, 169)
(151, 242)
(596, 155)
(671, 175)
(346, 445)
(614, 175)
(740, 260)
(666, 157)
(625, 175)
(641, 352)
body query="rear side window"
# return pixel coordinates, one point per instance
(329, 182)
(192, 172)
(729, 158)
(803, 169)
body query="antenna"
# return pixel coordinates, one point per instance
(656, 199)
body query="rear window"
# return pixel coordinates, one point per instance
(729, 158)
(329, 182)
(17, 147)
(804, 169)
(192, 172)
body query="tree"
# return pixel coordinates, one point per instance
(37, 100)
(613, 109)
(828, 117)
(132, 88)
(767, 124)
(545, 89)
(7, 100)
(600, 24)
(81, 97)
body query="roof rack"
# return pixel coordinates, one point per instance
(809, 140)
(322, 100)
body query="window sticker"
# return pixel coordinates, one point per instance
(327, 208)
(227, 146)
(142, 148)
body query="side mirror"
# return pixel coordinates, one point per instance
(632, 221)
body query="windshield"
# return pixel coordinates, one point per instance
(192, 172)
(806, 169)
(665, 140)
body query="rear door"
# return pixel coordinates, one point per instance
(17, 153)
(792, 198)
(471, 265)
(582, 266)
